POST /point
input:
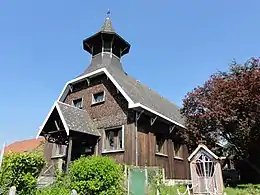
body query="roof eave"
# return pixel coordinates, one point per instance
(131, 103)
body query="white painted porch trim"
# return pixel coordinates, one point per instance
(55, 105)
(205, 148)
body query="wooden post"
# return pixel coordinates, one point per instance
(96, 147)
(69, 153)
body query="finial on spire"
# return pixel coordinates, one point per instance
(107, 26)
(108, 14)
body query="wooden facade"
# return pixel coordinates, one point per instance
(132, 136)
(113, 113)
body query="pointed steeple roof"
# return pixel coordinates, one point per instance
(107, 26)
(94, 44)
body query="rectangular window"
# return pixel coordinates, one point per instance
(161, 144)
(98, 97)
(78, 103)
(178, 150)
(113, 139)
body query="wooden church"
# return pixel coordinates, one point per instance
(105, 111)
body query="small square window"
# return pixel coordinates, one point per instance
(78, 103)
(98, 97)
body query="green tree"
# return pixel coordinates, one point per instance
(21, 170)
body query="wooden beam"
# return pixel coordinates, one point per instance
(57, 131)
(57, 126)
(138, 115)
(172, 128)
(88, 81)
(69, 153)
(153, 120)
(71, 88)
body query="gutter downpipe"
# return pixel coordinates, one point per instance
(137, 117)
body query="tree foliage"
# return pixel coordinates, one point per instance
(227, 107)
(21, 170)
(96, 175)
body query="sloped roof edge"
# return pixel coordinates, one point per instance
(205, 148)
(68, 122)
(55, 105)
(131, 103)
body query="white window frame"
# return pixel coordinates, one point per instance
(104, 140)
(93, 99)
(81, 106)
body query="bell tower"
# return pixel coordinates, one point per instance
(106, 41)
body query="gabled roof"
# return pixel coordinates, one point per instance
(144, 95)
(202, 147)
(137, 94)
(73, 119)
(77, 119)
(24, 146)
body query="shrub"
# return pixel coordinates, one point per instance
(96, 175)
(21, 170)
(54, 190)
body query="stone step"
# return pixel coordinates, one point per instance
(44, 181)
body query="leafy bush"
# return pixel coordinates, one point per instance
(21, 170)
(96, 175)
(55, 189)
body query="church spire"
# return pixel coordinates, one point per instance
(107, 26)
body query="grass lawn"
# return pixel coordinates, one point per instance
(244, 190)
(240, 190)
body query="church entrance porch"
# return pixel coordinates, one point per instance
(64, 151)
(72, 134)
(80, 145)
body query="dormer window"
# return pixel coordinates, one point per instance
(98, 97)
(78, 103)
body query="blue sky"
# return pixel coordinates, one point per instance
(176, 45)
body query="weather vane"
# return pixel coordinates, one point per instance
(108, 13)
